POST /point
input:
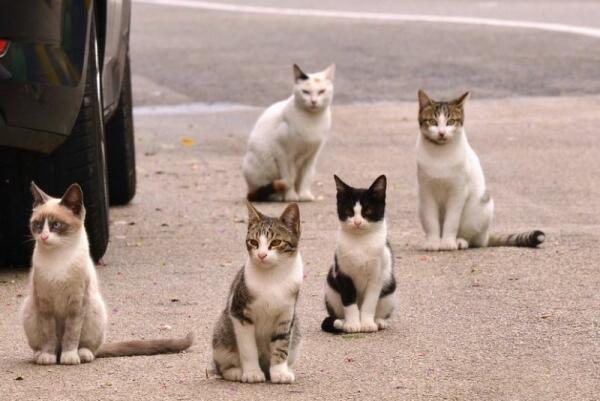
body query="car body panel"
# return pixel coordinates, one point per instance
(43, 71)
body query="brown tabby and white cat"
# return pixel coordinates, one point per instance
(64, 315)
(257, 336)
(455, 208)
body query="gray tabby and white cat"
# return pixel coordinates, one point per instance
(361, 288)
(257, 335)
(64, 315)
(455, 208)
(287, 138)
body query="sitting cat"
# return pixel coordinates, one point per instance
(360, 289)
(284, 145)
(257, 335)
(64, 314)
(455, 208)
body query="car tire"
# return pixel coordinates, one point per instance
(120, 146)
(81, 158)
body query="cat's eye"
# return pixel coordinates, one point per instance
(367, 211)
(431, 122)
(253, 243)
(305, 92)
(322, 91)
(37, 225)
(275, 243)
(450, 122)
(55, 225)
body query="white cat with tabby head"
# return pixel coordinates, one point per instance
(455, 207)
(287, 138)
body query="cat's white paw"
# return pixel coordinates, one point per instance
(382, 324)
(346, 326)
(462, 243)
(448, 244)
(70, 358)
(253, 376)
(306, 196)
(281, 374)
(291, 196)
(432, 244)
(368, 326)
(233, 374)
(45, 358)
(85, 355)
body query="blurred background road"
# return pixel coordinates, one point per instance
(488, 324)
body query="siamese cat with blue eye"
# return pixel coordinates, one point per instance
(360, 289)
(285, 142)
(455, 207)
(257, 336)
(64, 314)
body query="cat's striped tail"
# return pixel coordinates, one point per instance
(145, 347)
(262, 194)
(530, 239)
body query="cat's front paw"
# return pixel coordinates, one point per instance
(70, 358)
(347, 326)
(281, 374)
(233, 374)
(431, 244)
(306, 196)
(45, 358)
(368, 326)
(448, 244)
(253, 376)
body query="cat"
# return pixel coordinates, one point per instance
(285, 143)
(360, 288)
(455, 208)
(64, 315)
(257, 335)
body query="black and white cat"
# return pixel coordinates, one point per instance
(360, 289)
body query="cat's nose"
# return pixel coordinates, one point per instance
(262, 255)
(44, 236)
(442, 135)
(357, 223)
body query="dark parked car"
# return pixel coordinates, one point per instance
(65, 113)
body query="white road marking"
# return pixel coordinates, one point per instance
(369, 16)
(189, 108)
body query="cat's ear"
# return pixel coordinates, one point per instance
(299, 75)
(291, 218)
(254, 216)
(424, 100)
(340, 185)
(39, 196)
(379, 186)
(460, 101)
(330, 72)
(73, 199)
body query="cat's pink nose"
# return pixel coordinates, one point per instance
(357, 223)
(44, 236)
(442, 135)
(262, 255)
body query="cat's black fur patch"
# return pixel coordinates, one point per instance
(372, 200)
(342, 284)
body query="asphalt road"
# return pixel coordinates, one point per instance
(488, 324)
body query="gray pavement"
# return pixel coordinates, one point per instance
(489, 324)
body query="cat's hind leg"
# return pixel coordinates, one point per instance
(40, 332)
(93, 329)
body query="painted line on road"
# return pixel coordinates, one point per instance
(190, 108)
(370, 16)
